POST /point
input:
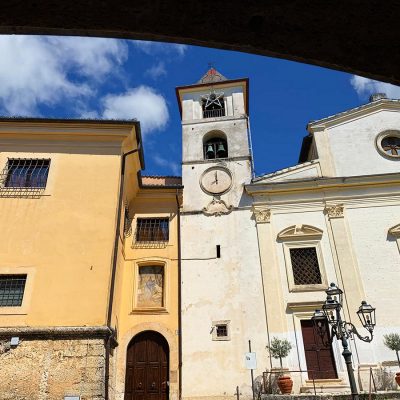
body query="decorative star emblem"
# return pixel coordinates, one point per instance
(213, 98)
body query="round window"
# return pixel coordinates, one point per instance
(388, 144)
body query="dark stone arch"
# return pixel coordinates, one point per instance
(351, 36)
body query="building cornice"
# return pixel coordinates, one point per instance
(318, 184)
(354, 113)
(214, 120)
(76, 130)
(58, 332)
(180, 90)
(216, 160)
(304, 306)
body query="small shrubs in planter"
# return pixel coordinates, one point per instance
(392, 342)
(279, 349)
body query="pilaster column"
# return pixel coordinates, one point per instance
(348, 270)
(271, 279)
(395, 231)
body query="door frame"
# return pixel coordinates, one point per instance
(121, 353)
(161, 341)
(306, 313)
(328, 347)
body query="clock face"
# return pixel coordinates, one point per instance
(216, 180)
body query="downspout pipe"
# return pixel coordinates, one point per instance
(113, 275)
(178, 213)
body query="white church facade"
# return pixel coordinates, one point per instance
(259, 252)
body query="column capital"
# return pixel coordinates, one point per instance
(262, 215)
(334, 210)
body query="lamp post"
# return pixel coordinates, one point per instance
(341, 329)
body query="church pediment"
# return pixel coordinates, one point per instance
(307, 170)
(299, 232)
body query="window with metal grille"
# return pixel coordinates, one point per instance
(12, 290)
(152, 230)
(222, 330)
(27, 173)
(305, 266)
(213, 106)
(391, 145)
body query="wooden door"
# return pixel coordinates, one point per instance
(319, 356)
(147, 367)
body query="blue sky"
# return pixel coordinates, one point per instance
(107, 78)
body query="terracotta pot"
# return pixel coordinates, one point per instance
(285, 384)
(397, 378)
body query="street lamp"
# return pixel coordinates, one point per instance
(341, 329)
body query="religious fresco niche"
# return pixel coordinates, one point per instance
(150, 286)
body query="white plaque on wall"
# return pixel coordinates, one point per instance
(251, 361)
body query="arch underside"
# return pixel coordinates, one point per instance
(359, 38)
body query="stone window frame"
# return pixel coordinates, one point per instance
(149, 262)
(289, 268)
(378, 143)
(225, 322)
(27, 297)
(301, 236)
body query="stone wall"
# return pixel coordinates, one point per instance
(47, 369)
(326, 396)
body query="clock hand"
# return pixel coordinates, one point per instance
(216, 177)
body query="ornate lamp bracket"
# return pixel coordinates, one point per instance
(352, 330)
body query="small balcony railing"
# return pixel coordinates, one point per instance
(220, 112)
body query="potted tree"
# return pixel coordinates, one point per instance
(392, 342)
(280, 348)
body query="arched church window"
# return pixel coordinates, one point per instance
(215, 148)
(213, 104)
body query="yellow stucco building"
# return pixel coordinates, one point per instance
(89, 263)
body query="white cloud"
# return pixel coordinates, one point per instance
(365, 87)
(142, 103)
(152, 48)
(171, 165)
(157, 70)
(47, 70)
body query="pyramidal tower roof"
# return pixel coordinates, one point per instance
(212, 76)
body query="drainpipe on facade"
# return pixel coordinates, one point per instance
(178, 213)
(112, 338)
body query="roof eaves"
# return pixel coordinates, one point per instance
(351, 111)
(283, 171)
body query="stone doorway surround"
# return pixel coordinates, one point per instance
(305, 310)
(120, 358)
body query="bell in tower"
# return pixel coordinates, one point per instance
(210, 154)
(221, 150)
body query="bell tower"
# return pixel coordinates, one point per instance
(221, 291)
(216, 156)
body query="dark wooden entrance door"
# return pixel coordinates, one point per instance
(147, 367)
(319, 356)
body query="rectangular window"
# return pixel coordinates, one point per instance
(152, 230)
(12, 290)
(27, 173)
(222, 330)
(150, 286)
(305, 266)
